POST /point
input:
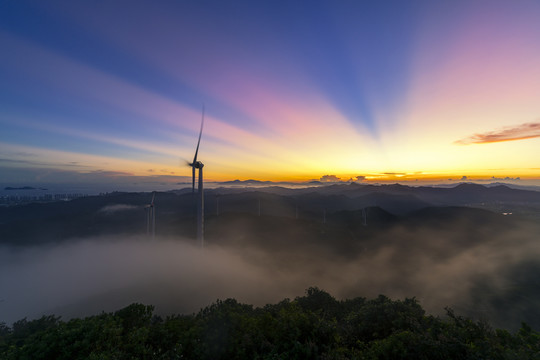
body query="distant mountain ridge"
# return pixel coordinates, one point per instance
(252, 182)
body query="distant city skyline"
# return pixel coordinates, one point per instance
(387, 91)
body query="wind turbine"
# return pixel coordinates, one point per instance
(364, 215)
(151, 218)
(200, 203)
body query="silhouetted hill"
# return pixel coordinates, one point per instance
(463, 225)
(473, 193)
(115, 213)
(395, 203)
(449, 214)
(374, 217)
(464, 192)
(118, 213)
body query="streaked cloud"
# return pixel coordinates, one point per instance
(110, 173)
(520, 132)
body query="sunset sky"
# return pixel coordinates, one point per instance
(293, 90)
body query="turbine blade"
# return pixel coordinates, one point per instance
(200, 133)
(153, 196)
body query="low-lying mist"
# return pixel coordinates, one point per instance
(495, 278)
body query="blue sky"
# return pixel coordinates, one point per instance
(389, 90)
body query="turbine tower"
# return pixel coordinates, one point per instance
(200, 201)
(364, 216)
(151, 218)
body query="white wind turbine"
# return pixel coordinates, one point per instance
(151, 218)
(200, 203)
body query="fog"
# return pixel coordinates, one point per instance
(85, 277)
(98, 274)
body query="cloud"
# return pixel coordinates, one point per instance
(330, 178)
(505, 178)
(520, 132)
(352, 179)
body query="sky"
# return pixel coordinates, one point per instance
(96, 91)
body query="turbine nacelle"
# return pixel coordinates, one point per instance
(196, 164)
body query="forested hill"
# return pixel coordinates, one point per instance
(315, 326)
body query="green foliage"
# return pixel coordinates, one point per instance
(314, 326)
(381, 317)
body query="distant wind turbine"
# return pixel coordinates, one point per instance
(151, 218)
(364, 215)
(200, 203)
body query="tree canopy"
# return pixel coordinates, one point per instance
(314, 326)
